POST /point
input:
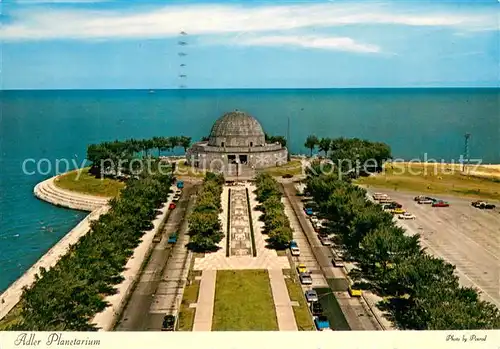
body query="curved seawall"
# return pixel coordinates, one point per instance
(48, 191)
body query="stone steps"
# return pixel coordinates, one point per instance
(48, 191)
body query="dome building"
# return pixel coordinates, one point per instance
(236, 139)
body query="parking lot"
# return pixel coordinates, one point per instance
(466, 237)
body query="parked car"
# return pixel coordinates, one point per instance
(354, 292)
(380, 196)
(313, 219)
(385, 200)
(311, 296)
(397, 211)
(325, 241)
(426, 200)
(406, 215)
(305, 279)
(337, 261)
(157, 238)
(420, 197)
(301, 268)
(287, 175)
(440, 203)
(483, 205)
(322, 323)
(308, 211)
(294, 248)
(172, 239)
(316, 309)
(171, 206)
(168, 323)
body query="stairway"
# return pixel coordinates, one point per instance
(48, 191)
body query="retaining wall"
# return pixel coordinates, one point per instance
(50, 192)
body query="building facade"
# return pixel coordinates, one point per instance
(236, 139)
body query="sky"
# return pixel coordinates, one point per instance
(153, 44)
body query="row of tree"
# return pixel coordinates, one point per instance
(275, 139)
(115, 156)
(67, 296)
(205, 228)
(345, 151)
(422, 292)
(276, 223)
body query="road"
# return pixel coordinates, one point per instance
(355, 310)
(137, 315)
(466, 237)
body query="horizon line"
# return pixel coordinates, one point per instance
(252, 88)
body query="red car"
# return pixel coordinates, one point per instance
(440, 204)
(171, 206)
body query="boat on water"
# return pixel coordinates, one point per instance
(151, 91)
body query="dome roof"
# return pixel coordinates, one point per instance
(236, 124)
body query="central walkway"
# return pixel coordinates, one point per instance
(265, 259)
(239, 224)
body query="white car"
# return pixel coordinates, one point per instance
(325, 241)
(406, 215)
(337, 262)
(305, 279)
(311, 296)
(313, 219)
(425, 201)
(295, 251)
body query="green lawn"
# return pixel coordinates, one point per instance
(302, 314)
(420, 178)
(83, 182)
(294, 167)
(243, 301)
(183, 170)
(12, 318)
(186, 314)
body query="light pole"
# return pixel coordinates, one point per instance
(466, 151)
(288, 157)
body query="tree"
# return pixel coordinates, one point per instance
(324, 145)
(185, 142)
(311, 143)
(279, 238)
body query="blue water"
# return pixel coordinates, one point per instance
(60, 124)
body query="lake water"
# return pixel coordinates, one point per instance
(60, 124)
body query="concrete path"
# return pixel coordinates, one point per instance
(206, 299)
(266, 258)
(239, 228)
(284, 311)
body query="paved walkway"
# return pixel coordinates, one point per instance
(266, 259)
(240, 243)
(284, 311)
(205, 304)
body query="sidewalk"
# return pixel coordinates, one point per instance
(284, 311)
(206, 299)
